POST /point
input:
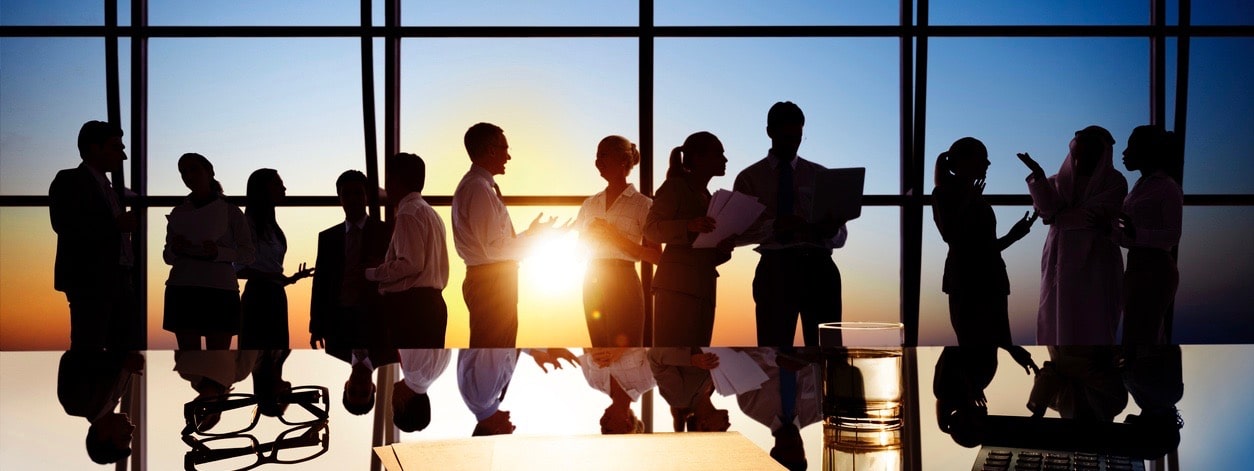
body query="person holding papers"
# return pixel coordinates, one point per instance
(613, 222)
(795, 274)
(204, 236)
(684, 285)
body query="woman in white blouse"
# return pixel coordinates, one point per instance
(612, 221)
(1149, 227)
(204, 236)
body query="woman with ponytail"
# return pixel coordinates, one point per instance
(613, 222)
(975, 273)
(264, 324)
(204, 236)
(684, 285)
(1149, 227)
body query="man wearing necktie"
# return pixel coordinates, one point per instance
(484, 236)
(344, 307)
(94, 258)
(795, 274)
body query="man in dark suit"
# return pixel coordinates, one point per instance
(94, 257)
(345, 315)
(89, 385)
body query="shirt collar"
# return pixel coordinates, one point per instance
(481, 172)
(360, 223)
(100, 177)
(775, 161)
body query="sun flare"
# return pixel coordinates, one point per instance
(555, 265)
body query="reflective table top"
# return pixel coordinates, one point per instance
(1113, 400)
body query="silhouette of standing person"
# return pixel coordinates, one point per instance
(975, 274)
(414, 271)
(344, 307)
(94, 259)
(795, 274)
(264, 301)
(90, 384)
(204, 236)
(613, 220)
(1149, 227)
(484, 236)
(685, 282)
(1081, 267)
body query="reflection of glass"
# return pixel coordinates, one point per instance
(862, 395)
(240, 452)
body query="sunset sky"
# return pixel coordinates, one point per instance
(294, 104)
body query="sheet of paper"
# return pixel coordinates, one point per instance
(737, 213)
(736, 372)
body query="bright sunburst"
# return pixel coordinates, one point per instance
(555, 265)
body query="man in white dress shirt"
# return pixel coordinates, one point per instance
(415, 269)
(411, 408)
(485, 239)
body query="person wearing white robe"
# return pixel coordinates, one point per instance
(1081, 266)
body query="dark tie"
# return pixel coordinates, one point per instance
(784, 198)
(787, 394)
(351, 285)
(497, 189)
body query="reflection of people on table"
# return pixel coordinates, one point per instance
(484, 236)
(264, 302)
(91, 385)
(359, 389)
(1081, 267)
(411, 408)
(683, 379)
(94, 259)
(789, 400)
(1150, 227)
(483, 376)
(624, 375)
(795, 274)
(1080, 382)
(613, 222)
(685, 283)
(204, 236)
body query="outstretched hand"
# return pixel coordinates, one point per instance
(538, 225)
(300, 274)
(553, 356)
(1023, 226)
(1037, 171)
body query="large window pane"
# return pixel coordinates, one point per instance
(51, 86)
(289, 104)
(555, 99)
(1222, 12)
(1039, 12)
(1220, 116)
(1031, 95)
(33, 315)
(1023, 265)
(250, 13)
(847, 88)
(511, 13)
(786, 13)
(51, 13)
(1216, 276)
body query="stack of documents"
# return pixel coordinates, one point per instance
(733, 212)
(736, 372)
